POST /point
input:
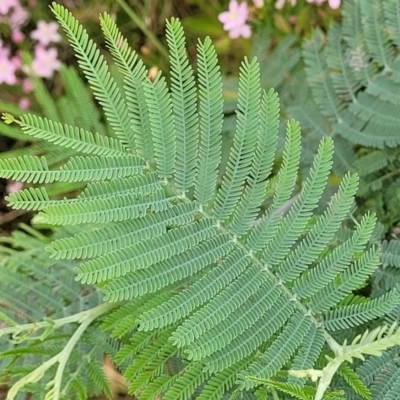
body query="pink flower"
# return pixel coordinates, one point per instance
(4, 51)
(7, 69)
(334, 4)
(27, 85)
(24, 103)
(46, 33)
(16, 61)
(18, 17)
(235, 19)
(258, 3)
(6, 5)
(45, 62)
(17, 36)
(13, 187)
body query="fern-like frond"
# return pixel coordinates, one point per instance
(321, 87)
(210, 284)
(227, 330)
(355, 276)
(280, 351)
(174, 269)
(322, 232)
(265, 229)
(106, 209)
(354, 381)
(135, 74)
(391, 253)
(376, 36)
(306, 393)
(299, 214)
(30, 199)
(336, 262)
(248, 208)
(210, 121)
(111, 237)
(162, 124)
(308, 353)
(96, 71)
(250, 340)
(184, 106)
(199, 293)
(77, 169)
(352, 315)
(192, 376)
(70, 137)
(240, 158)
(219, 307)
(144, 254)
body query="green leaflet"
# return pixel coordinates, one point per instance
(208, 285)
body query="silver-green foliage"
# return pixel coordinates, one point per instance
(209, 276)
(354, 77)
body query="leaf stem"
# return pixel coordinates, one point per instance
(85, 318)
(138, 21)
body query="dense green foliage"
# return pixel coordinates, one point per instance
(215, 280)
(353, 78)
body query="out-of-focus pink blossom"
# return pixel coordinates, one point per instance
(16, 61)
(24, 103)
(17, 36)
(280, 3)
(235, 19)
(258, 3)
(46, 33)
(4, 51)
(334, 3)
(45, 62)
(6, 5)
(13, 187)
(18, 17)
(8, 68)
(27, 85)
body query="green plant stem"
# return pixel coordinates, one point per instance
(64, 355)
(138, 21)
(274, 394)
(80, 317)
(85, 318)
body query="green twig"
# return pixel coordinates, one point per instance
(138, 21)
(85, 318)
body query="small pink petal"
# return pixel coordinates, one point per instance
(243, 30)
(224, 17)
(13, 187)
(16, 61)
(18, 17)
(27, 85)
(334, 4)
(17, 36)
(24, 103)
(45, 62)
(6, 5)
(46, 33)
(7, 72)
